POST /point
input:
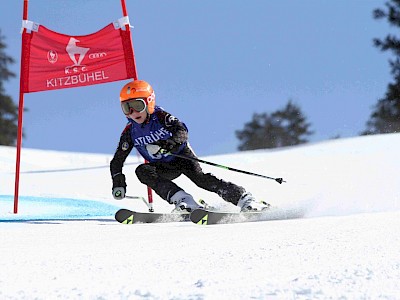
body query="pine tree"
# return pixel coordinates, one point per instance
(285, 127)
(8, 110)
(385, 117)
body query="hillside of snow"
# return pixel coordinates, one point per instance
(64, 244)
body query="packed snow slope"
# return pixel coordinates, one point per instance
(338, 177)
(346, 246)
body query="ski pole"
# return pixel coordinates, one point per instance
(279, 180)
(149, 205)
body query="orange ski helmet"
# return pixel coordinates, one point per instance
(139, 89)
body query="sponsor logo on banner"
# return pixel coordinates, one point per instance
(52, 56)
(77, 73)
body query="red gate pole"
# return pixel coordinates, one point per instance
(20, 115)
(149, 190)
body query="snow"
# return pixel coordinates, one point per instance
(64, 244)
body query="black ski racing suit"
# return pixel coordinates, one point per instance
(159, 175)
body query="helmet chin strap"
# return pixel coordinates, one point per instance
(147, 118)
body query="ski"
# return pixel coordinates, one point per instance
(209, 217)
(126, 216)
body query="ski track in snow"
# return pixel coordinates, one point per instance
(346, 247)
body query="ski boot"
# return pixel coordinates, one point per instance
(248, 203)
(184, 202)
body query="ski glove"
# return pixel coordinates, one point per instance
(119, 186)
(166, 146)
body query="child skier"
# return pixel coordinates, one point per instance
(155, 133)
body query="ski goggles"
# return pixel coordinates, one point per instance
(132, 105)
